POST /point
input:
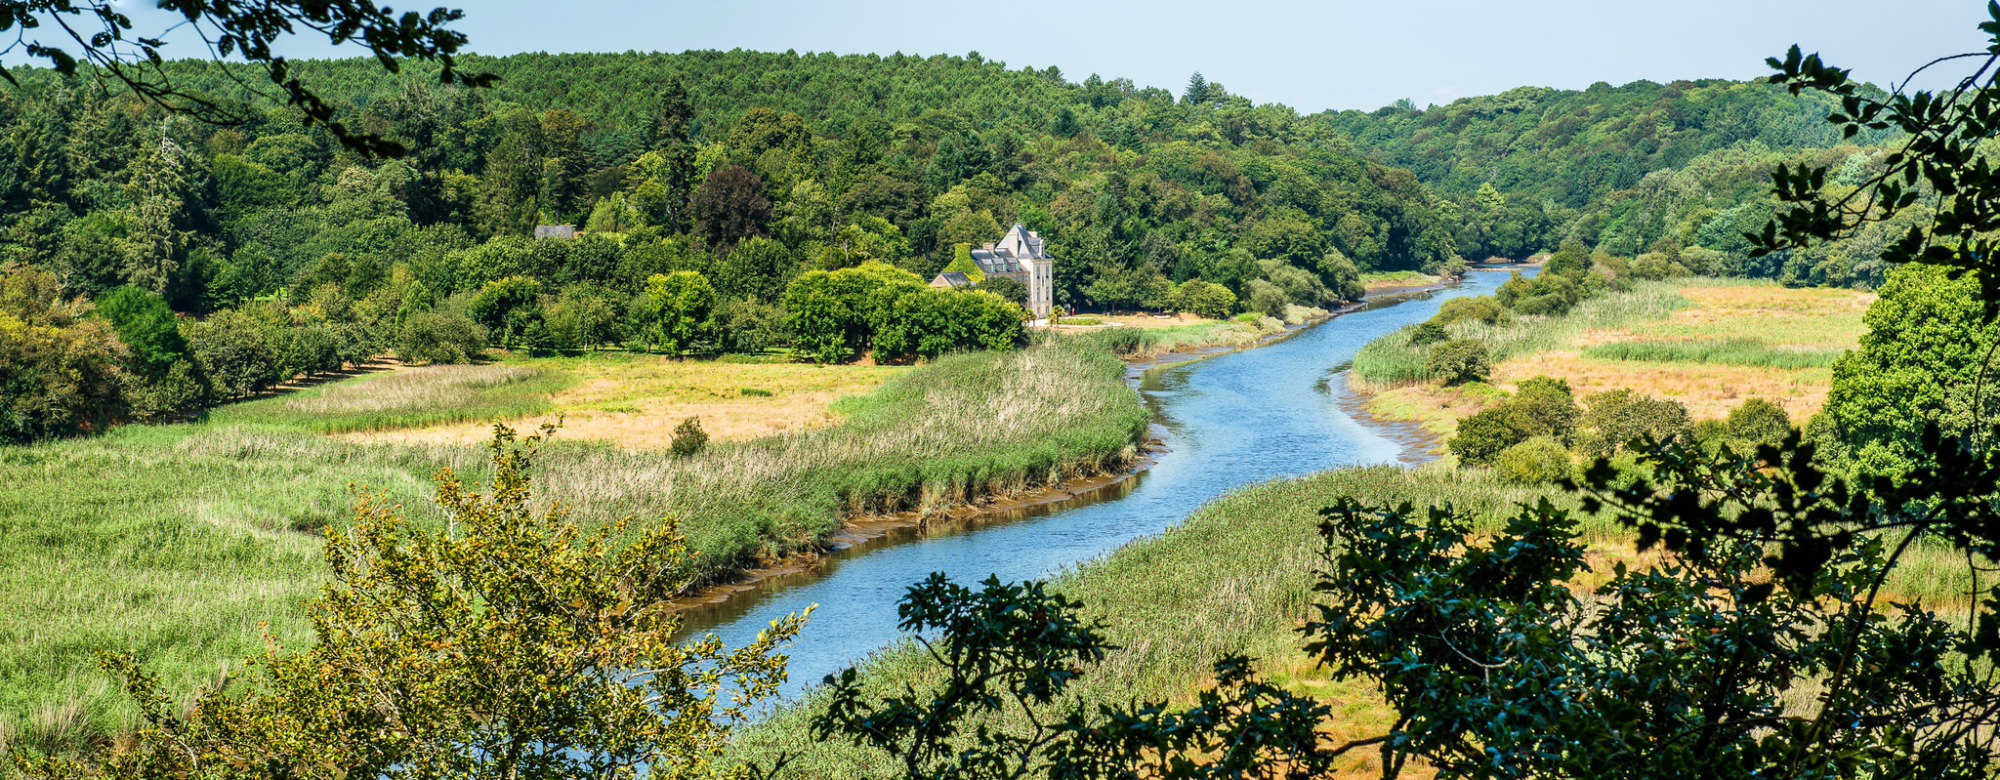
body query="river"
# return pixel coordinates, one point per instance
(1227, 421)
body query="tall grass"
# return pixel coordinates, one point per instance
(412, 398)
(1393, 360)
(178, 542)
(1733, 352)
(1235, 577)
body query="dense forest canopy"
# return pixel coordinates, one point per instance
(707, 187)
(1631, 169)
(906, 155)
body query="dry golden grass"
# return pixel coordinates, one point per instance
(635, 401)
(1148, 320)
(1775, 317)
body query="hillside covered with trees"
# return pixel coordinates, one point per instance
(1681, 169)
(704, 184)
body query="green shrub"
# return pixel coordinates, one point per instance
(689, 438)
(1757, 423)
(1011, 290)
(748, 326)
(1542, 408)
(1341, 276)
(234, 353)
(1546, 407)
(1427, 333)
(1459, 361)
(1483, 309)
(1537, 461)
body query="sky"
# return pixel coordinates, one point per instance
(1332, 54)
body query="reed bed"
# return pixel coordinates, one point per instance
(410, 398)
(1236, 577)
(179, 543)
(1392, 360)
(1731, 352)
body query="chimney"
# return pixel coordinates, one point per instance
(989, 246)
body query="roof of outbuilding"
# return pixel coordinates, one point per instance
(953, 279)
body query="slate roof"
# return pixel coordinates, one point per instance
(953, 280)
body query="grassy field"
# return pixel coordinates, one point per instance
(635, 400)
(1144, 336)
(177, 542)
(1237, 577)
(1382, 281)
(1708, 343)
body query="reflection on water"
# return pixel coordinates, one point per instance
(1227, 422)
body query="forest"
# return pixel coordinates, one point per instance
(230, 259)
(1680, 170)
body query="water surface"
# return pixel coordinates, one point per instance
(1228, 421)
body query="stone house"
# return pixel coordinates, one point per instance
(1020, 255)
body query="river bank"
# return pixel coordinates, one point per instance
(1078, 490)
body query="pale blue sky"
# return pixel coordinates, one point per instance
(1310, 55)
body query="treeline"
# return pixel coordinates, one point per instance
(704, 187)
(1681, 170)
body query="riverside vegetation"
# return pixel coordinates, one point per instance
(1776, 620)
(204, 530)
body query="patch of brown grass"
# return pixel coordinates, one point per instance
(635, 401)
(1709, 391)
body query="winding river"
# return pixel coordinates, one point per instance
(1228, 421)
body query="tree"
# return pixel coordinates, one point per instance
(104, 39)
(503, 642)
(234, 354)
(146, 325)
(1618, 420)
(1920, 364)
(1197, 92)
(439, 337)
(58, 377)
(676, 310)
(1341, 276)
(1013, 291)
(507, 308)
(1213, 301)
(728, 208)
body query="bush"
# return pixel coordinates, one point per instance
(439, 336)
(1483, 309)
(1616, 419)
(1427, 333)
(580, 318)
(1757, 423)
(1265, 298)
(1542, 408)
(1546, 407)
(674, 312)
(1459, 361)
(59, 381)
(1537, 461)
(689, 438)
(1203, 299)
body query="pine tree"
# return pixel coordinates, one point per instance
(1197, 91)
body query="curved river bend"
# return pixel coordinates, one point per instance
(1228, 421)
